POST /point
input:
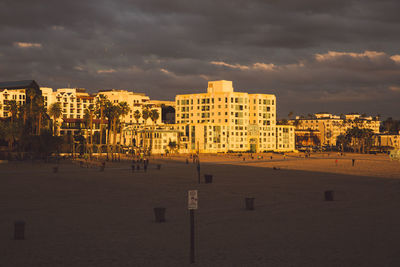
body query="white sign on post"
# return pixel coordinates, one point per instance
(192, 199)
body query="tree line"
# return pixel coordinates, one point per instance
(31, 130)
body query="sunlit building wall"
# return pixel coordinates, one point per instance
(7, 95)
(331, 126)
(222, 120)
(285, 138)
(136, 102)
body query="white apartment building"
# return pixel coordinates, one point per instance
(222, 120)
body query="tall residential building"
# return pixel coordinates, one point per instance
(223, 120)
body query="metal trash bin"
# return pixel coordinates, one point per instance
(19, 230)
(159, 214)
(329, 195)
(208, 178)
(249, 203)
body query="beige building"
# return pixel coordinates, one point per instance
(16, 91)
(390, 141)
(331, 126)
(223, 120)
(75, 101)
(285, 138)
(160, 141)
(137, 102)
(7, 95)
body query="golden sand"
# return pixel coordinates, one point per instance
(84, 217)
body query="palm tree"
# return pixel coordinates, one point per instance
(145, 114)
(172, 146)
(109, 113)
(88, 118)
(12, 107)
(55, 111)
(39, 112)
(154, 115)
(360, 139)
(8, 132)
(31, 94)
(137, 116)
(100, 106)
(124, 110)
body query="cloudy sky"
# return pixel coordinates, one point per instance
(337, 56)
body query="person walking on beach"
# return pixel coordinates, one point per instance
(352, 162)
(336, 162)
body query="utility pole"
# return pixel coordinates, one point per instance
(192, 206)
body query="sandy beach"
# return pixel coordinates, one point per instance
(84, 217)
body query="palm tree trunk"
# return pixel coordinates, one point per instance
(101, 125)
(91, 134)
(39, 123)
(115, 134)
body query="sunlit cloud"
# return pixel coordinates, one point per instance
(27, 45)
(80, 68)
(106, 71)
(232, 66)
(263, 66)
(395, 58)
(332, 55)
(255, 66)
(204, 77)
(57, 28)
(394, 88)
(165, 71)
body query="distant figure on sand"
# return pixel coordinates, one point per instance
(352, 162)
(336, 162)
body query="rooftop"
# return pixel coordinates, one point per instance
(19, 84)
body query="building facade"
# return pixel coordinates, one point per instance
(331, 126)
(223, 120)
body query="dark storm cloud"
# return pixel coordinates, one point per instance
(313, 54)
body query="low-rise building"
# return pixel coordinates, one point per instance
(16, 91)
(285, 138)
(387, 141)
(331, 126)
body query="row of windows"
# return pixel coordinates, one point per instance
(14, 97)
(226, 100)
(236, 114)
(211, 100)
(78, 100)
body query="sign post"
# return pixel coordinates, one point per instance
(192, 206)
(198, 170)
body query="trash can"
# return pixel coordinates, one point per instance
(329, 195)
(19, 230)
(249, 203)
(159, 213)
(158, 166)
(208, 178)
